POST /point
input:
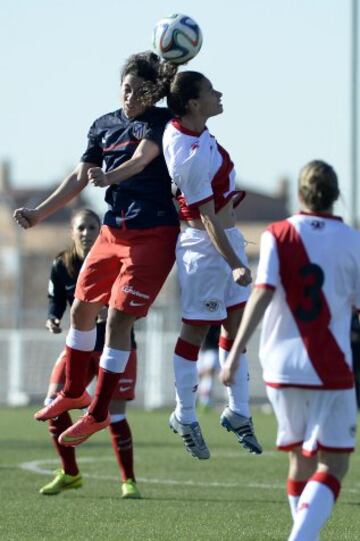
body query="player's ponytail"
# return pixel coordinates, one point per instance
(318, 186)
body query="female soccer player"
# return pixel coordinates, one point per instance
(85, 227)
(212, 264)
(307, 284)
(135, 250)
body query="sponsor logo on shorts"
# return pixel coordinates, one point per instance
(212, 305)
(124, 389)
(134, 303)
(130, 289)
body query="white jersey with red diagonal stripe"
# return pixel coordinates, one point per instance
(312, 261)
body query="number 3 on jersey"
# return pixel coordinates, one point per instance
(312, 277)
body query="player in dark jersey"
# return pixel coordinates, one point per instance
(85, 227)
(135, 250)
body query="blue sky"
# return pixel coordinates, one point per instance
(283, 67)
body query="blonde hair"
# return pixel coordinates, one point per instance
(318, 185)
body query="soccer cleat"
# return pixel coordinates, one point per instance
(243, 429)
(62, 403)
(62, 481)
(192, 437)
(80, 431)
(129, 490)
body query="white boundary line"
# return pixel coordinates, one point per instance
(38, 466)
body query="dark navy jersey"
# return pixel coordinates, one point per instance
(61, 293)
(144, 200)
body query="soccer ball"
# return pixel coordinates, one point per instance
(177, 38)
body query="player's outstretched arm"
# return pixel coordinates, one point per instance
(68, 189)
(255, 307)
(241, 273)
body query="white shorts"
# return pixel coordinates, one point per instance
(207, 287)
(314, 419)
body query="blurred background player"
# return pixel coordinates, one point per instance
(211, 260)
(208, 367)
(307, 285)
(85, 227)
(135, 251)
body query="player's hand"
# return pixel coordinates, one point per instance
(242, 276)
(26, 218)
(227, 375)
(97, 177)
(53, 325)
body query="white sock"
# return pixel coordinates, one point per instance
(114, 360)
(186, 380)
(238, 393)
(314, 507)
(81, 340)
(294, 490)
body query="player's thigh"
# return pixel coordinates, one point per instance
(338, 420)
(100, 268)
(203, 275)
(288, 406)
(144, 271)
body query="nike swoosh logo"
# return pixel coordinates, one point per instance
(123, 389)
(134, 303)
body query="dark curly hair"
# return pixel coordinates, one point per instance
(318, 185)
(184, 87)
(157, 74)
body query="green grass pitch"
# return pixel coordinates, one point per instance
(232, 496)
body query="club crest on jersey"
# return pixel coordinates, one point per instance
(317, 224)
(212, 305)
(138, 130)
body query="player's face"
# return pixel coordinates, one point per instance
(209, 99)
(84, 230)
(130, 95)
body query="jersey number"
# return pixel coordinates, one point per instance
(311, 306)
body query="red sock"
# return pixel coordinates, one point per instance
(66, 454)
(105, 387)
(77, 366)
(122, 444)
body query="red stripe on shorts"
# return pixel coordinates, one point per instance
(302, 282)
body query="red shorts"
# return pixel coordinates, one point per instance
(126, 269)
(125, 389)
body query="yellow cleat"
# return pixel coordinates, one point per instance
(129, 490)
(62, 481)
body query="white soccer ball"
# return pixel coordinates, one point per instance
(177, 38)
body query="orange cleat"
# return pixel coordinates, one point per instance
(82, 430)
(62, 403)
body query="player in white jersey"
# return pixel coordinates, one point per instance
(211, 260)
(307, 284)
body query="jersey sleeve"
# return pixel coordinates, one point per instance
(188, 164)
(56, 293)
(94, 152)
(268, 270)
(155, 130)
